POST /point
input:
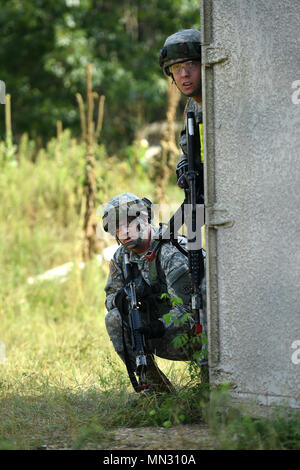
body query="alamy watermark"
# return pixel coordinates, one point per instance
(2, 92)
(296, 94)
(187, 222)
(296, 354)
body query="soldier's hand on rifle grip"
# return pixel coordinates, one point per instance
(181, 169)
(121, 302)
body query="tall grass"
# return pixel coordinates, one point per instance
(62, 384)
(60, 366)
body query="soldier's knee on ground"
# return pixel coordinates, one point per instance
(156, 378)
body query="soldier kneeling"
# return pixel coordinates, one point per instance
(128, 218)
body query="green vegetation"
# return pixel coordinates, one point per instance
(60, 367)
(58, 38)
(62, 385)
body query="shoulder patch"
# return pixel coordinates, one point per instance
(112, 268)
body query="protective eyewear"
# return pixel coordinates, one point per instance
(188, 66)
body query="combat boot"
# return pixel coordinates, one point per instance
(156, 379)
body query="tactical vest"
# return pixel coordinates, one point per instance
(153, 304)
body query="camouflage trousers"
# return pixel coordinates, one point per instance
(161, 347)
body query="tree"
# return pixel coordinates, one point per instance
(46, 47)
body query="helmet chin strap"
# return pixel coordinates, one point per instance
(131, 244)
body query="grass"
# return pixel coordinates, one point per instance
(61, 375)
(62, 384)
(61, 372)
(62, 380)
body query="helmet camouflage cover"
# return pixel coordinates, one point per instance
(122, 206)
(180, 47)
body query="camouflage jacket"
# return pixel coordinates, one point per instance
(169, 273)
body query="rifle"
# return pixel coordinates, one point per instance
(190, 173)
(137, 338)
(194, 194)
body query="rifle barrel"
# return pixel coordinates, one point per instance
(135, 323)
(194, 192)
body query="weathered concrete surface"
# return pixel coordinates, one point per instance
(252, 145)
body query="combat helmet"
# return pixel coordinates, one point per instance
(122, 206)
(180, 47)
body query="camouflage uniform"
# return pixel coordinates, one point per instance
(182, 46)
(196, 107)
(169, 273)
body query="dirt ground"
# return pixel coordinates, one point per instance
(182, 437)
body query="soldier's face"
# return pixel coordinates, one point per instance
(187, 76)
(134, 234)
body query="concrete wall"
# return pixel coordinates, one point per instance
(251, 65)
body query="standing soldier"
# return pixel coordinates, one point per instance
(180, 59)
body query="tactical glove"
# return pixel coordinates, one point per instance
(181, 170)
(155, 329)
(142, 289)
(121, 302)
